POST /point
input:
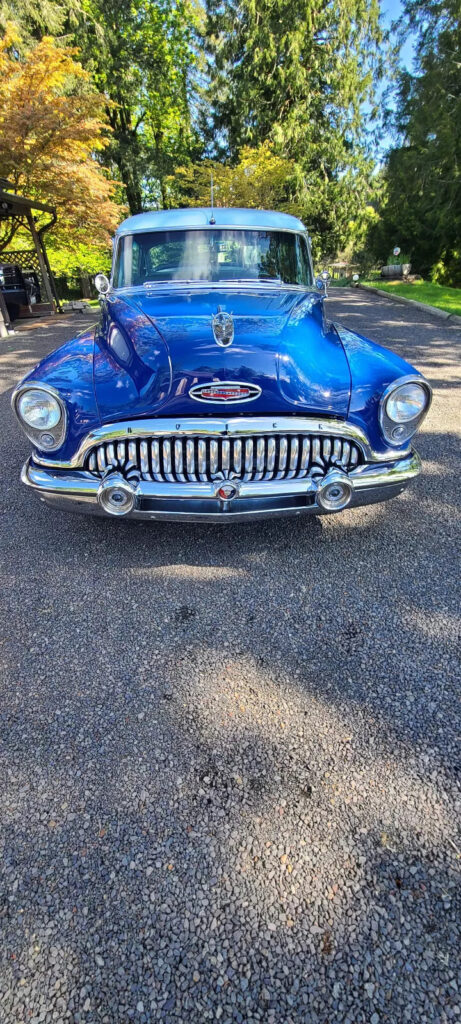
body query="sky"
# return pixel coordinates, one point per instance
(391, 11)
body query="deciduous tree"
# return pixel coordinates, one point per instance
(52, 124)
(142, 56)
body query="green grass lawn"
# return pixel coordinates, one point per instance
(448, 299)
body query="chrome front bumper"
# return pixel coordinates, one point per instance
(80, 491)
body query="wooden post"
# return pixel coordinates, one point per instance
(4, 318)
(41, 259)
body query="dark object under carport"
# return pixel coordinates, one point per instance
(19, 210)
(20, 290)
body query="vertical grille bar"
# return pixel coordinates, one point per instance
(270, 464)
(225, 455)
(155, 456)
(167, 465)
(260, 458)
(202, 460)
(144, 456)
(110, 455)
(326, 448)
(214, 453)
(316, 450)
(305, 453)
(178, 460)
(237, 455)
(190, 458)
(346, 454)
(248, 459)
(294, 452)
(283, 452)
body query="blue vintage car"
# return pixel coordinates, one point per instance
(213, 385)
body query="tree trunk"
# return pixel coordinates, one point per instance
(85, 283)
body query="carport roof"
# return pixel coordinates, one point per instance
(21, 203)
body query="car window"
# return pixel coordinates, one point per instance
(211, 255)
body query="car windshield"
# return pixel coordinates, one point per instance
(211, 255)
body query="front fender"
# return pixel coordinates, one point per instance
(70, 370)
(372, 369)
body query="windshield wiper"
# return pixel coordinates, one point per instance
(264, 279)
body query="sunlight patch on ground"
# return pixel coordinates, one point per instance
(191, 572)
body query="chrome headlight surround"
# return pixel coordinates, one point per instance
(46, 438)
(398, 431)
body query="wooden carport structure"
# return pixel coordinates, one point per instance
(20, 211)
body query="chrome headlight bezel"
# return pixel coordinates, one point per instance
(398, 432)
(46, 438)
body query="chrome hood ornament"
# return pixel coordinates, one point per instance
(223, 328)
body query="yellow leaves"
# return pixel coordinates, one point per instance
(260, 180)
(52, 122)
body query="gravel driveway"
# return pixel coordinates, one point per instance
(228, 773)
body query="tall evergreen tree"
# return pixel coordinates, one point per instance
(422, 207)
(297, 73)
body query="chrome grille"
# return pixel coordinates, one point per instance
(258, 457)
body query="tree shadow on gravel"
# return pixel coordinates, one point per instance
(235, 843)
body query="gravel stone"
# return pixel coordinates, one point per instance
(228, 757)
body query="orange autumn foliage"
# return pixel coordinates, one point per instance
(52, 125)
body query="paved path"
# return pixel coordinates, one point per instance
(228, 756)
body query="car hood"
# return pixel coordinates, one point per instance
(281, 344)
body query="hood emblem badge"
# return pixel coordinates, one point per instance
(223, 328)
(225, 391)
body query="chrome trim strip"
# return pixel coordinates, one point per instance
(235, 426)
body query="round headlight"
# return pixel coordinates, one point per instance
(402, 409)
(406, 403)
(39, 409)
(42, 414)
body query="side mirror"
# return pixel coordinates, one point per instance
(102, 284)
(322, 281)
